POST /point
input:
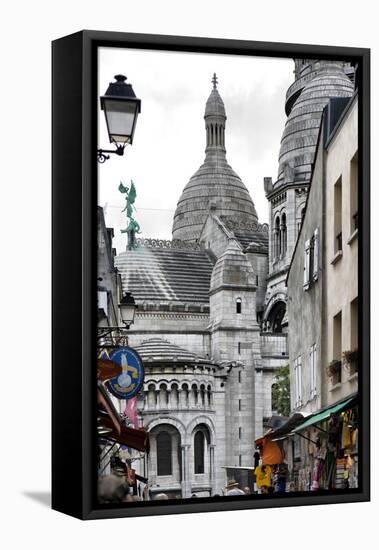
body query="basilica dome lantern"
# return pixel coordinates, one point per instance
(215, 183)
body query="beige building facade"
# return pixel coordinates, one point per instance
(340, 304)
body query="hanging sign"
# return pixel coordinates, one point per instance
(130, 381)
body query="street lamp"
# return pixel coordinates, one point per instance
(121, 108)
(128, 308)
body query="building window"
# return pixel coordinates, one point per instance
(277, 238)
(354, 193)
(276, 316)
(353, 356)
(307, 264)
(313, 370)
(354, 324)
(315, 255)
(311, 259)
(337, 350)
(239, 376)
(199, 452)
(240, 460)
(239, 348)
(238, 305)
(239, 404)
(283, 236)
(240, 433)
(338, 216)
(164, 454)
(298, 391)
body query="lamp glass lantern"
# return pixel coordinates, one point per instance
(128, 308)
(121, 109)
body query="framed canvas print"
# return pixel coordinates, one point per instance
(210, 274)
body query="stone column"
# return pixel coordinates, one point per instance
(186, 481)
(158, 399)
(179, 393)
(212, 477)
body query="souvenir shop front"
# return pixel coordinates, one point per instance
(322, 452)
(273, 473)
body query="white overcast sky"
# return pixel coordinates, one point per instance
(169, 140)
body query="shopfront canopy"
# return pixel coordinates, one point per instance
(116, 430)
(325, 413)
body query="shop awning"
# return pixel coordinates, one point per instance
(286, 429)
(109, 418)
(325, 413)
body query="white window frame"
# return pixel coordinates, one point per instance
(307, 263)
(316, 248)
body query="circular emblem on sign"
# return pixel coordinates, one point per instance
(129, 382)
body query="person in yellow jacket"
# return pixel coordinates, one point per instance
(263, 476)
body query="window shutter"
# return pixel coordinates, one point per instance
(316, 248)
(307, 250)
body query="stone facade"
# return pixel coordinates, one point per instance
(340, 308)
(327, 247)
(304, 288)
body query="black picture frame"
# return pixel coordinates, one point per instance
(74, 89)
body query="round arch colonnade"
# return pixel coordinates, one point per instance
(183, 471)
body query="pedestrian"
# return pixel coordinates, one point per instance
(232, 488)
(247, 490)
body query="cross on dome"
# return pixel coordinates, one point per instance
(214, 81)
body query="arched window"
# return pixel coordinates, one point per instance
(185, 394)
(164, 454)
(199, 452)
(277, 238)
(283, 240)
(202, 395)
(238, 305)
(209, 394)
(276, 316)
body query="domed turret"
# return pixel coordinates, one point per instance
(326, 79)
(215, 182)
(232, 269)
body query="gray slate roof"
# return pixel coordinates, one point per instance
(252, 237)
(255, 241)
(159, 350)
(166, 274)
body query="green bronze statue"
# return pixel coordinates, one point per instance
(133, 226)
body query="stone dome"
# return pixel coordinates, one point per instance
(215, 184)
(232, 269)
(299, 139)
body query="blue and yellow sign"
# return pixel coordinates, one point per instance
(130, 381)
